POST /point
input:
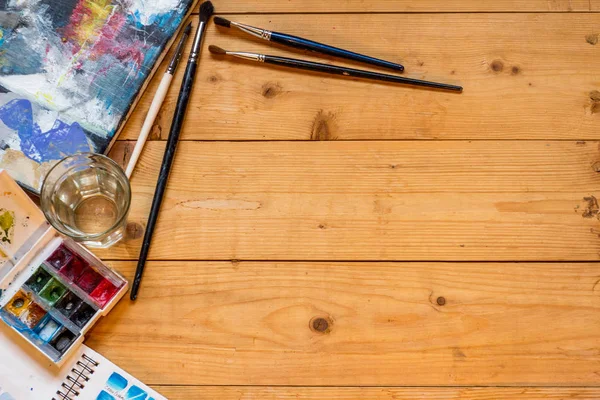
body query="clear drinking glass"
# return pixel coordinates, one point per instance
(87, 197)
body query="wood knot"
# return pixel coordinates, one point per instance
(156, 132)
(322, 226)
(134, 230)
(320, 325)
(596, 166)
(441, 301)
(271, 89)
(515, 70)
(595, 101)
(592, 38)
(214, 79)
(323, 127)
(592, 208)
(497, 66)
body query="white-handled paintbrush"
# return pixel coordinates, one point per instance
(159, 97)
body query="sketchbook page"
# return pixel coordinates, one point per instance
(109, 382)
(25, 374)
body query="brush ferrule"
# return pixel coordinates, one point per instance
(252, 30)
(247, 56)
(197, 42)
(177, 56)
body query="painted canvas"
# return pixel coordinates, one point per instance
(70, 71)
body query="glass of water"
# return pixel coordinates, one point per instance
(87, 197)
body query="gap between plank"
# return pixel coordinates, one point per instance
(386, 386)
(364, 140)
(291, 261)
(399, 12)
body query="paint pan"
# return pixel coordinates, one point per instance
(52, 290)
(63, 340)
(83, 315)
(69, 304)
(48, 328)
(38, 280)
(18, 304)
(89, 280)
(33, 315)
(60, 258)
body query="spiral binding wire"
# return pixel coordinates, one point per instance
(77, 379)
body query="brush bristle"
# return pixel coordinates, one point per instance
(222, 22)
(187, 29)
(206, 11)
(216, 49)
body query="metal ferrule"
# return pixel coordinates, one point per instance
(254, 31)
(177, 55)
(247, 56)
(197, 42)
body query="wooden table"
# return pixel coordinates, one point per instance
(326, 238)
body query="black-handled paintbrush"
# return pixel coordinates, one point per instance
(206, 10)
(332, 69)
(305, 44)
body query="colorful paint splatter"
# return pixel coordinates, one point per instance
(7, 227)
(69, 72)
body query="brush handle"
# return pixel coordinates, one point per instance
(159, 97)
(357, 73)
(165, 169)
(305, 44)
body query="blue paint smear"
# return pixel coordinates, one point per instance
(104, 396)
(168, 21)
(116, 382)
(136, 393)
(17, 56)
(62, 140)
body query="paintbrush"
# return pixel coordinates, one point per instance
(159, 97)
(206, 10)
(332, 69)
(305, 44)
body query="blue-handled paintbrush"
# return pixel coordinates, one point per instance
(306, 44)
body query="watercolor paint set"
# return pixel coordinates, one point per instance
(52, 290)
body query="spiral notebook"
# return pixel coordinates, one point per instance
(25, 375)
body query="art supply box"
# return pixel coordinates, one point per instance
(52, 290)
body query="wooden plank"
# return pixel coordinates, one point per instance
(379, 393)
(536, 80)
(409, 200)
(253, 323)
(406, 6)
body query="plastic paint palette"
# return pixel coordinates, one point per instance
(52, 290)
